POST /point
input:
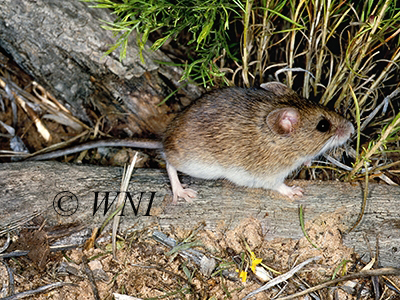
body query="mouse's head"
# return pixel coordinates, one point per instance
(303, 125)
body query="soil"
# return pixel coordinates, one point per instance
(144, 269)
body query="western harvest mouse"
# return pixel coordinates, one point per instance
(252, 137)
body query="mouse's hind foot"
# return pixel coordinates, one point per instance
(177, 188)
(187, 194)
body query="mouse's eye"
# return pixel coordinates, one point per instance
(324, 125)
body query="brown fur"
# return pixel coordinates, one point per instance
(228, 126)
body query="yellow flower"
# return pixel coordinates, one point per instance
(254, 261)
(243, 275)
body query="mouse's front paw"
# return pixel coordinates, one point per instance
(187, 194)
(295, 191)
(290, 191)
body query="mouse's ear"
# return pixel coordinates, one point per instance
(277, 88)
(283, 120)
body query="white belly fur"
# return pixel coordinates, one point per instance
(237, 175)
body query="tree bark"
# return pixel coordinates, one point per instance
(30, 186)
(61, 45)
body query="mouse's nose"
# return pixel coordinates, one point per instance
(344, 131)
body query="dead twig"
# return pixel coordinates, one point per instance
(378, 272)
(42, 289)
(282, 278)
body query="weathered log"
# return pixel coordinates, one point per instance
(61, 45)
(30, 186)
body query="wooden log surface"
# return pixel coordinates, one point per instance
(29, 186)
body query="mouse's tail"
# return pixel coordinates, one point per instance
(132, 143)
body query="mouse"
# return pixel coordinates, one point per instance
(253, 137)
